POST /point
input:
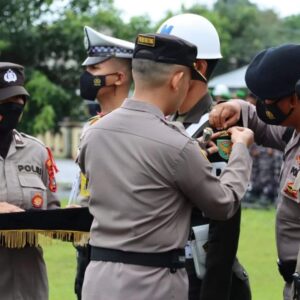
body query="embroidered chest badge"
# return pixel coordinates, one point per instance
(37, 200)
(290, 191)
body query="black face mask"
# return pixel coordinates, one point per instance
(91, 84)
(10, 113)
(270, 113)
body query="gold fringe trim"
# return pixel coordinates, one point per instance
(25, 237)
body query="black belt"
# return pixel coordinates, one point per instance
(173, 259)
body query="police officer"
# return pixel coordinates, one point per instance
(219, 282)
(106, 79)
(26, 182)
(141, 194)
(273, 76)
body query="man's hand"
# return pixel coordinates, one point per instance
(8, 208)
(241, 135)
(225, 114)
(209, 147)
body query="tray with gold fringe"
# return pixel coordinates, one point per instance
(19, 229)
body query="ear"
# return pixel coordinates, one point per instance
(201, 65)
(175, 80)
(120, 78)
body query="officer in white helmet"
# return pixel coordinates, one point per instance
(107, 79)
(223, 277)
(221, 93)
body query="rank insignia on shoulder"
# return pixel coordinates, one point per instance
(94, 119)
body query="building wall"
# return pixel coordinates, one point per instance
(64, 144)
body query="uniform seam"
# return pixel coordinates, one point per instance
(143, 137)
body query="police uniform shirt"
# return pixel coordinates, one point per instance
(24, 176)
(24, 182)
(141, 196)
(193, 117)
(288, 210)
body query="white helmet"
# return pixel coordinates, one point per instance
(196, 30)
(221, 90)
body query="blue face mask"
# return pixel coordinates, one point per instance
(10, 113)
(271, 113)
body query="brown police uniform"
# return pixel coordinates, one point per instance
(141, 197)
(288, 210)
(25, 182)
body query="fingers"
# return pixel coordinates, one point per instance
(229, 119)
(215, 115)
(224, 115)
(8, 208)
(241, 135)
(212, 148)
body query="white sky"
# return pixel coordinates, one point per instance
(156, 8)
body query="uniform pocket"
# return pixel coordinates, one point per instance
(34, 191)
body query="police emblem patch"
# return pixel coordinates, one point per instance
(10, 76)
(37, 200)
(270, 115)
(97, 81)
(224, 145)
(290, 191)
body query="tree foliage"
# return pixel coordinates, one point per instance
(46, 36)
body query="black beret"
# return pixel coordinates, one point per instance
(11, 80)
(167, 49)
(273, 73)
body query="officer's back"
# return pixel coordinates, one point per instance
(142, 191)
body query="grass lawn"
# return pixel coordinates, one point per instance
(257, 253)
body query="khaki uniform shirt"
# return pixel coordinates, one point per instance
(24, 182)
(83, 192)
(141, 196)
(288, 210)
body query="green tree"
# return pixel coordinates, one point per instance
(48, 40)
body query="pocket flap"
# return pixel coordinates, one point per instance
(32, 181)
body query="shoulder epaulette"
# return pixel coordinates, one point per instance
(32, 138)
(94, 119)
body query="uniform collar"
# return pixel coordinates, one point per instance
(202, 107)
(142, 106)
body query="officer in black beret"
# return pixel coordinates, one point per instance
(273, 76)
(142, 193)
(26, 182)
(167, 49)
